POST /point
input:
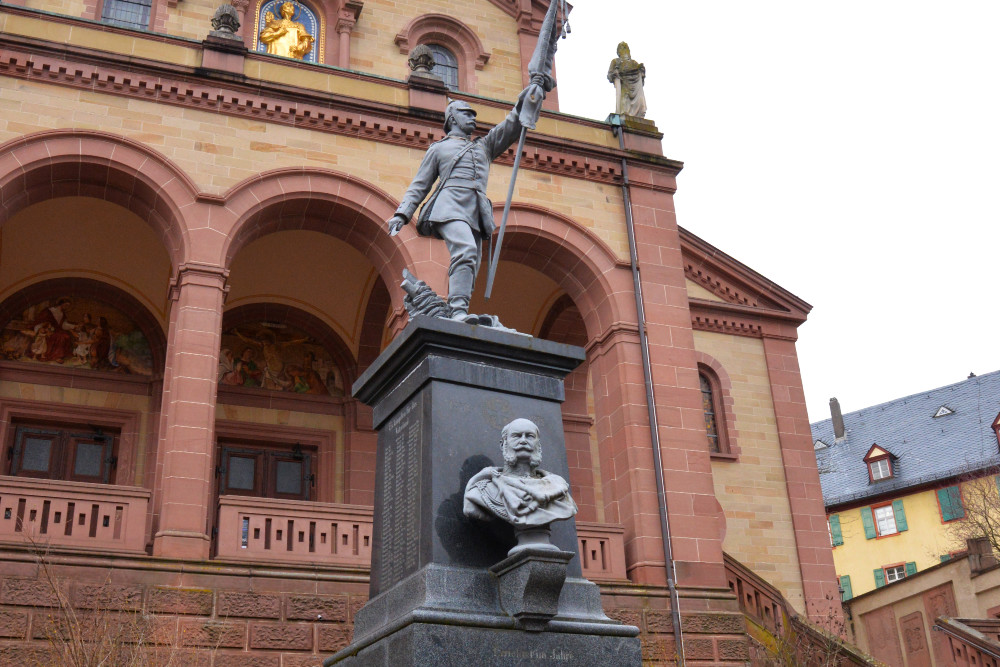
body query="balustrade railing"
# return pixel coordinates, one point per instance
(268, 529)
(43, 513)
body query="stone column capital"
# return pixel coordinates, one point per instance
(203, 275)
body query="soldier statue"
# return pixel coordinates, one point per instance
(458, 211)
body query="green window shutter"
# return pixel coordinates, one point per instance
(868, 521)
(879, 577)
(838, 537)
(897, 509)
(950, 499)
(845, 587)
(945, 558)
(911, 569)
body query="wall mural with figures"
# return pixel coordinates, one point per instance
(78, 333)
(277, 357)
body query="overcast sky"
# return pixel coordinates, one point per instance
(848, 151)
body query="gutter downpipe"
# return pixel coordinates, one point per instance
(647, 374)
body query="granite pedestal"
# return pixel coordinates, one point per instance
(441, 393)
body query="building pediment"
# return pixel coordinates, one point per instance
(730, 281)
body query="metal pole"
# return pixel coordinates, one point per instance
(506, 211)
(647, 373)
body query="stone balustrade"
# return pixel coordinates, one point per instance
(268, 529)
(602, 551)
(43, 513)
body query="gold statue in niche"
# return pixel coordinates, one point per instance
(285, 37)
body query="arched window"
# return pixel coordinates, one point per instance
(127, 13)
(708, 406)
(717, 407)
(445, 65)
(458, 51)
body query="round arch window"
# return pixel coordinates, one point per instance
(445, 65)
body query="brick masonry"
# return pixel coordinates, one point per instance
(220, 624)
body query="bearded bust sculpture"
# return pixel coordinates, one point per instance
(520, 492)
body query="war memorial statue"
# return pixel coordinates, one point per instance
(458, 211)
(474, 563)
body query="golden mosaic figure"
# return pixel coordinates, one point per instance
(285, 37)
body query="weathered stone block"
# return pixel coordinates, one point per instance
(299, 660)
(659, 649)
(107, 596)
(213, 634)
(193, 601)
(699, 649)
(14, 624)
(659, 621)
(190, 658)
(626, 616)
(249, 605)
(297, 636)
(325, 608)
(357, 602)
(28, 593)
(19, 655)
(715, 624)
(332, 638)
(247, 660)
(734, 649)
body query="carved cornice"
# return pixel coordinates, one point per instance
(734, 326)
(278, 103)
(617, 332)
(740, 320)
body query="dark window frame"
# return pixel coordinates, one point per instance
(266, 457)
(144, 11)
(66, 440)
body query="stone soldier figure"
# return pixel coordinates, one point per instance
(458, 211)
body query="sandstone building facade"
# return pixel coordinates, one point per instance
(194, 269)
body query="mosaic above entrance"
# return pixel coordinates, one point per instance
(78, 333)
(277, 357)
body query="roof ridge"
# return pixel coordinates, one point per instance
(913, 395)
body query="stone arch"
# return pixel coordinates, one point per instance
(55, 288)
(329, 202)
(451, 33)
(66, 163)
(580, 263)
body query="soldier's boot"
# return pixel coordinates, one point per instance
(460, 291)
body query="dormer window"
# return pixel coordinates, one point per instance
(943, 411)
(880, 464)
(880, 469)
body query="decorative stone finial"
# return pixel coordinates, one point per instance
(225, 21)
(421, 60)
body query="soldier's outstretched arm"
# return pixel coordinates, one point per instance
(427, 173)
(503, 136)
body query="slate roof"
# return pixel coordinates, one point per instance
(926, 449)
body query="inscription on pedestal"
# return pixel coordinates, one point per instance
(400, 495)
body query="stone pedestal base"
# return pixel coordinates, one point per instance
(441, 393)
(423, 644)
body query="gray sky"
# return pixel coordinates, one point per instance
(847, 151)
